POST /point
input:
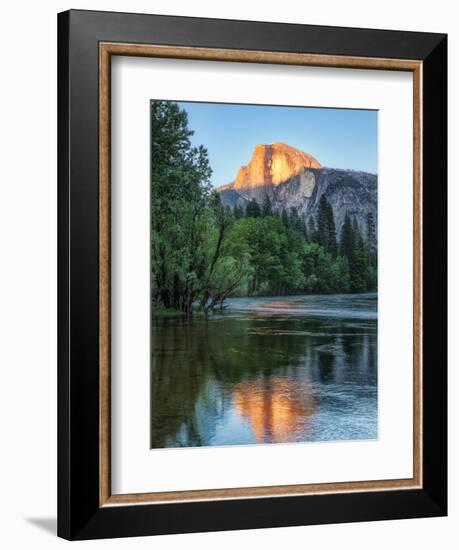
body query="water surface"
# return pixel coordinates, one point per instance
(267, 370)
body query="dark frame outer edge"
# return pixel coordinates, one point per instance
(63, 290)
(435, 157)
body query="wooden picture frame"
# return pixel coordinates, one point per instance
(87, 41)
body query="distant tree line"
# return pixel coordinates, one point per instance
(294, 257)
(203, 253)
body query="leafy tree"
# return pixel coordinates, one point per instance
(202, 252)
(180, 192)
(229, 264)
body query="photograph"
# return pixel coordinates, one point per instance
(264, 261)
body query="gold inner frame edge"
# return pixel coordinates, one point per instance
(106, 51)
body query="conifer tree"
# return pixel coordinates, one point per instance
(304, 229)
(331, 232)
(285, 218)
(371, 240)
(353, 247)
(347, 244)
(295, 220)
(266, 208)
(312, 232)
(326, 231)
(358, 271)
(357, 233)
(253, 209)
(238, 212)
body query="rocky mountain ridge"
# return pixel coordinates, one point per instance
(294, 179)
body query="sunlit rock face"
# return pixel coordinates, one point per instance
(294, 179)
(273, 164)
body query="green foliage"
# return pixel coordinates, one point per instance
(362, 270)
(253, 209)
(283, 262)
(202, 252)
(284, 217)
(347, 244)
(312, 232)
(180, 194)
(189, 223)
(326, 231)
(266, 208)
(371, 241)
(238, 212)
(358, 278)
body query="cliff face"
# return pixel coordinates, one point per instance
(271, 165)
(348, 192)
(292, 178)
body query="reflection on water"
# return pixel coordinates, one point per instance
(267, 370)
(275, 407)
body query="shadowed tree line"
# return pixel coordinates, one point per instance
(203, 253)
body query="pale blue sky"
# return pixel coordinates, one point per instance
(337, 138)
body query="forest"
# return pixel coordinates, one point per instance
(203, 253)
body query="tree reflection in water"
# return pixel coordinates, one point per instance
(265, 375)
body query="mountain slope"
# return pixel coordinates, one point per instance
(270, 164)
(294, 179)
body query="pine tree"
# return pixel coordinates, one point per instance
(312, 232)
(371, 240)
(322, 221)
(285, 218)
(238, 212)
(326, 231)
(266, 208)
(253, 209)
(304, 230)
(347, 244)
(331, 232)
(352, 246)
(358, 271)
(357, 233)
(295, 220)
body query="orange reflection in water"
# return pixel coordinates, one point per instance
(280, 304)
(276, 408)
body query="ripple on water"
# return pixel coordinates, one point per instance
(267, 370)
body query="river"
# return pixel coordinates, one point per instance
(267, 370)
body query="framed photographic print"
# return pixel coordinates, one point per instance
(252, 274)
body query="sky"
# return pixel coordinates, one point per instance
(337, 138)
